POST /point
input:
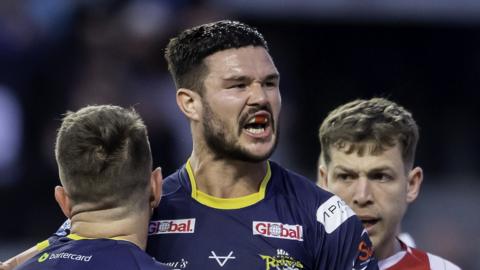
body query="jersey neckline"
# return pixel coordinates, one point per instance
(227, 203)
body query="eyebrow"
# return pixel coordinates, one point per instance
(340, 167)
(374, 170)
(382, 169)
(274, 76)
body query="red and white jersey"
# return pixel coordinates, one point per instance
(414, 259)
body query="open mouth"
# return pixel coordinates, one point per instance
(258, 124)
(369, 222)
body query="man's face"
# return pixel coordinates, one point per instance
(241, 104)
(377, 187)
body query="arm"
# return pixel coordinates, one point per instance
(345, 243)
(19, 258)
(29, 253)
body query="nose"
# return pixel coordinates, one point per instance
(258, 95)
(363, 193)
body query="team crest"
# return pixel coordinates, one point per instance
(281, 261)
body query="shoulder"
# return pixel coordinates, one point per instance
(434, 262)
(146, 262)
(327, 208)
(439, 263)
(290, 183)
(409, 258)
(132, 254)
(172, 183)
(87, 254)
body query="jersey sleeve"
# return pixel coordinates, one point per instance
(344, 243)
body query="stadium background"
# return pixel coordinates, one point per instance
(57, 55)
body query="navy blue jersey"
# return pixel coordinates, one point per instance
(73, 253)
(289, 224)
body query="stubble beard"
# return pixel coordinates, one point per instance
(223, 144)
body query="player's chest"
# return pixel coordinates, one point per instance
(200, 238)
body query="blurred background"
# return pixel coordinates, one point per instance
(58, 55)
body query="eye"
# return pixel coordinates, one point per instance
(344, 176)
(270, 84)
(237, 86)
(382, 177)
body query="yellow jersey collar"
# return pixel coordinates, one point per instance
(228, 203)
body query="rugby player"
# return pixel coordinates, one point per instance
(108, 192)
(367, 158)
(229, 206)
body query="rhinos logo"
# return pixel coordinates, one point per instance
(282, 261)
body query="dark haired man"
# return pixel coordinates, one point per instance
(229, 206)
(367, 158)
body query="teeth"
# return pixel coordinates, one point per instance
(255, 130)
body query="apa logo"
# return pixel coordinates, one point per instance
(171, 226)
(278, 230)
(332, 213)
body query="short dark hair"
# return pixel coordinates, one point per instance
(104, 156)
(377, 120)
(185, 53)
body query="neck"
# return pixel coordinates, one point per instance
(224, 178)
(112, 223)
(388, 249)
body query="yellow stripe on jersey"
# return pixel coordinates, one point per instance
(74, 236)
(228, 203)
(42, 245)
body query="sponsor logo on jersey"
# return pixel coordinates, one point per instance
(332, 213)
(278, 230)
(43, 257)
(171, 226)
(64, 256)
(365, 251)
(364, 255)
(178, 265)
(281, 261)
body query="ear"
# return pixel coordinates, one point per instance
(156, 182)
(61, 196)
(322, 176)
(189, 103)
(415, 178)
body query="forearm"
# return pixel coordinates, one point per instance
(18, 259)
